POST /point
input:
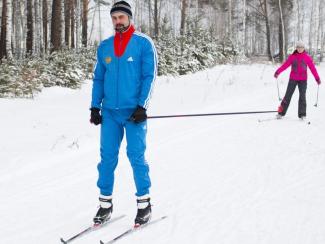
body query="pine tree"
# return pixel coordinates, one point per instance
(56, 35)
(3, 36)
(183, 16)
(30, 28)
(67, 22)
(45, 23)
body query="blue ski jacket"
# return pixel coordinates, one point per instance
(126, 81)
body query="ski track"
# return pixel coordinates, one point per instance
(220, 179)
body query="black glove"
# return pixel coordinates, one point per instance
(139, 115)
(95, 117)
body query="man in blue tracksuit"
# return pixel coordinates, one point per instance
(123, 81)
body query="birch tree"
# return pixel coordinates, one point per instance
(9, 29)
(156, 23)
(99, 21)
(6, 27)
(281, 34)
(38, 35)
(78, 23)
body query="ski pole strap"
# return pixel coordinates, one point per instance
(208, 114)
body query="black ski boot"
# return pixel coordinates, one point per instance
(144, 211)
(105, 210)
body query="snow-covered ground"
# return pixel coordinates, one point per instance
(221, 179)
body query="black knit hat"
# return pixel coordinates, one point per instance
(122, 6)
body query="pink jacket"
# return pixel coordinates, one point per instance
(299, 63)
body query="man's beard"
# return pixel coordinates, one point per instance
(121, 27)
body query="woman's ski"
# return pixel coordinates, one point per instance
(91, 228)
(285, 119)
(132, 229)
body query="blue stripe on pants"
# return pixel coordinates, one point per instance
(112, 131)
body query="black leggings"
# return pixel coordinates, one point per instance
(302, 105)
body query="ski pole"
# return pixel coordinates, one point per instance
(277, 84)
(208, 114)
(316, 104)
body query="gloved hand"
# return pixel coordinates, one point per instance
(318, 81)
(139, 115)
(95, 117)
(276, 75)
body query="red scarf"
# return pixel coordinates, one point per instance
(121, 40)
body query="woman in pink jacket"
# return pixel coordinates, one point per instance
(299, 61)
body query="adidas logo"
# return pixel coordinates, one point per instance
(130, 59)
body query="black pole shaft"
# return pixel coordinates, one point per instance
(277, 83)
(209, 114)
(316, 104)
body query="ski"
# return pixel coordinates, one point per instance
(285, 119)
(268, 119)
(91, 228)
(132, 229)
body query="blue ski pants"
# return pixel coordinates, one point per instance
(114, 124)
